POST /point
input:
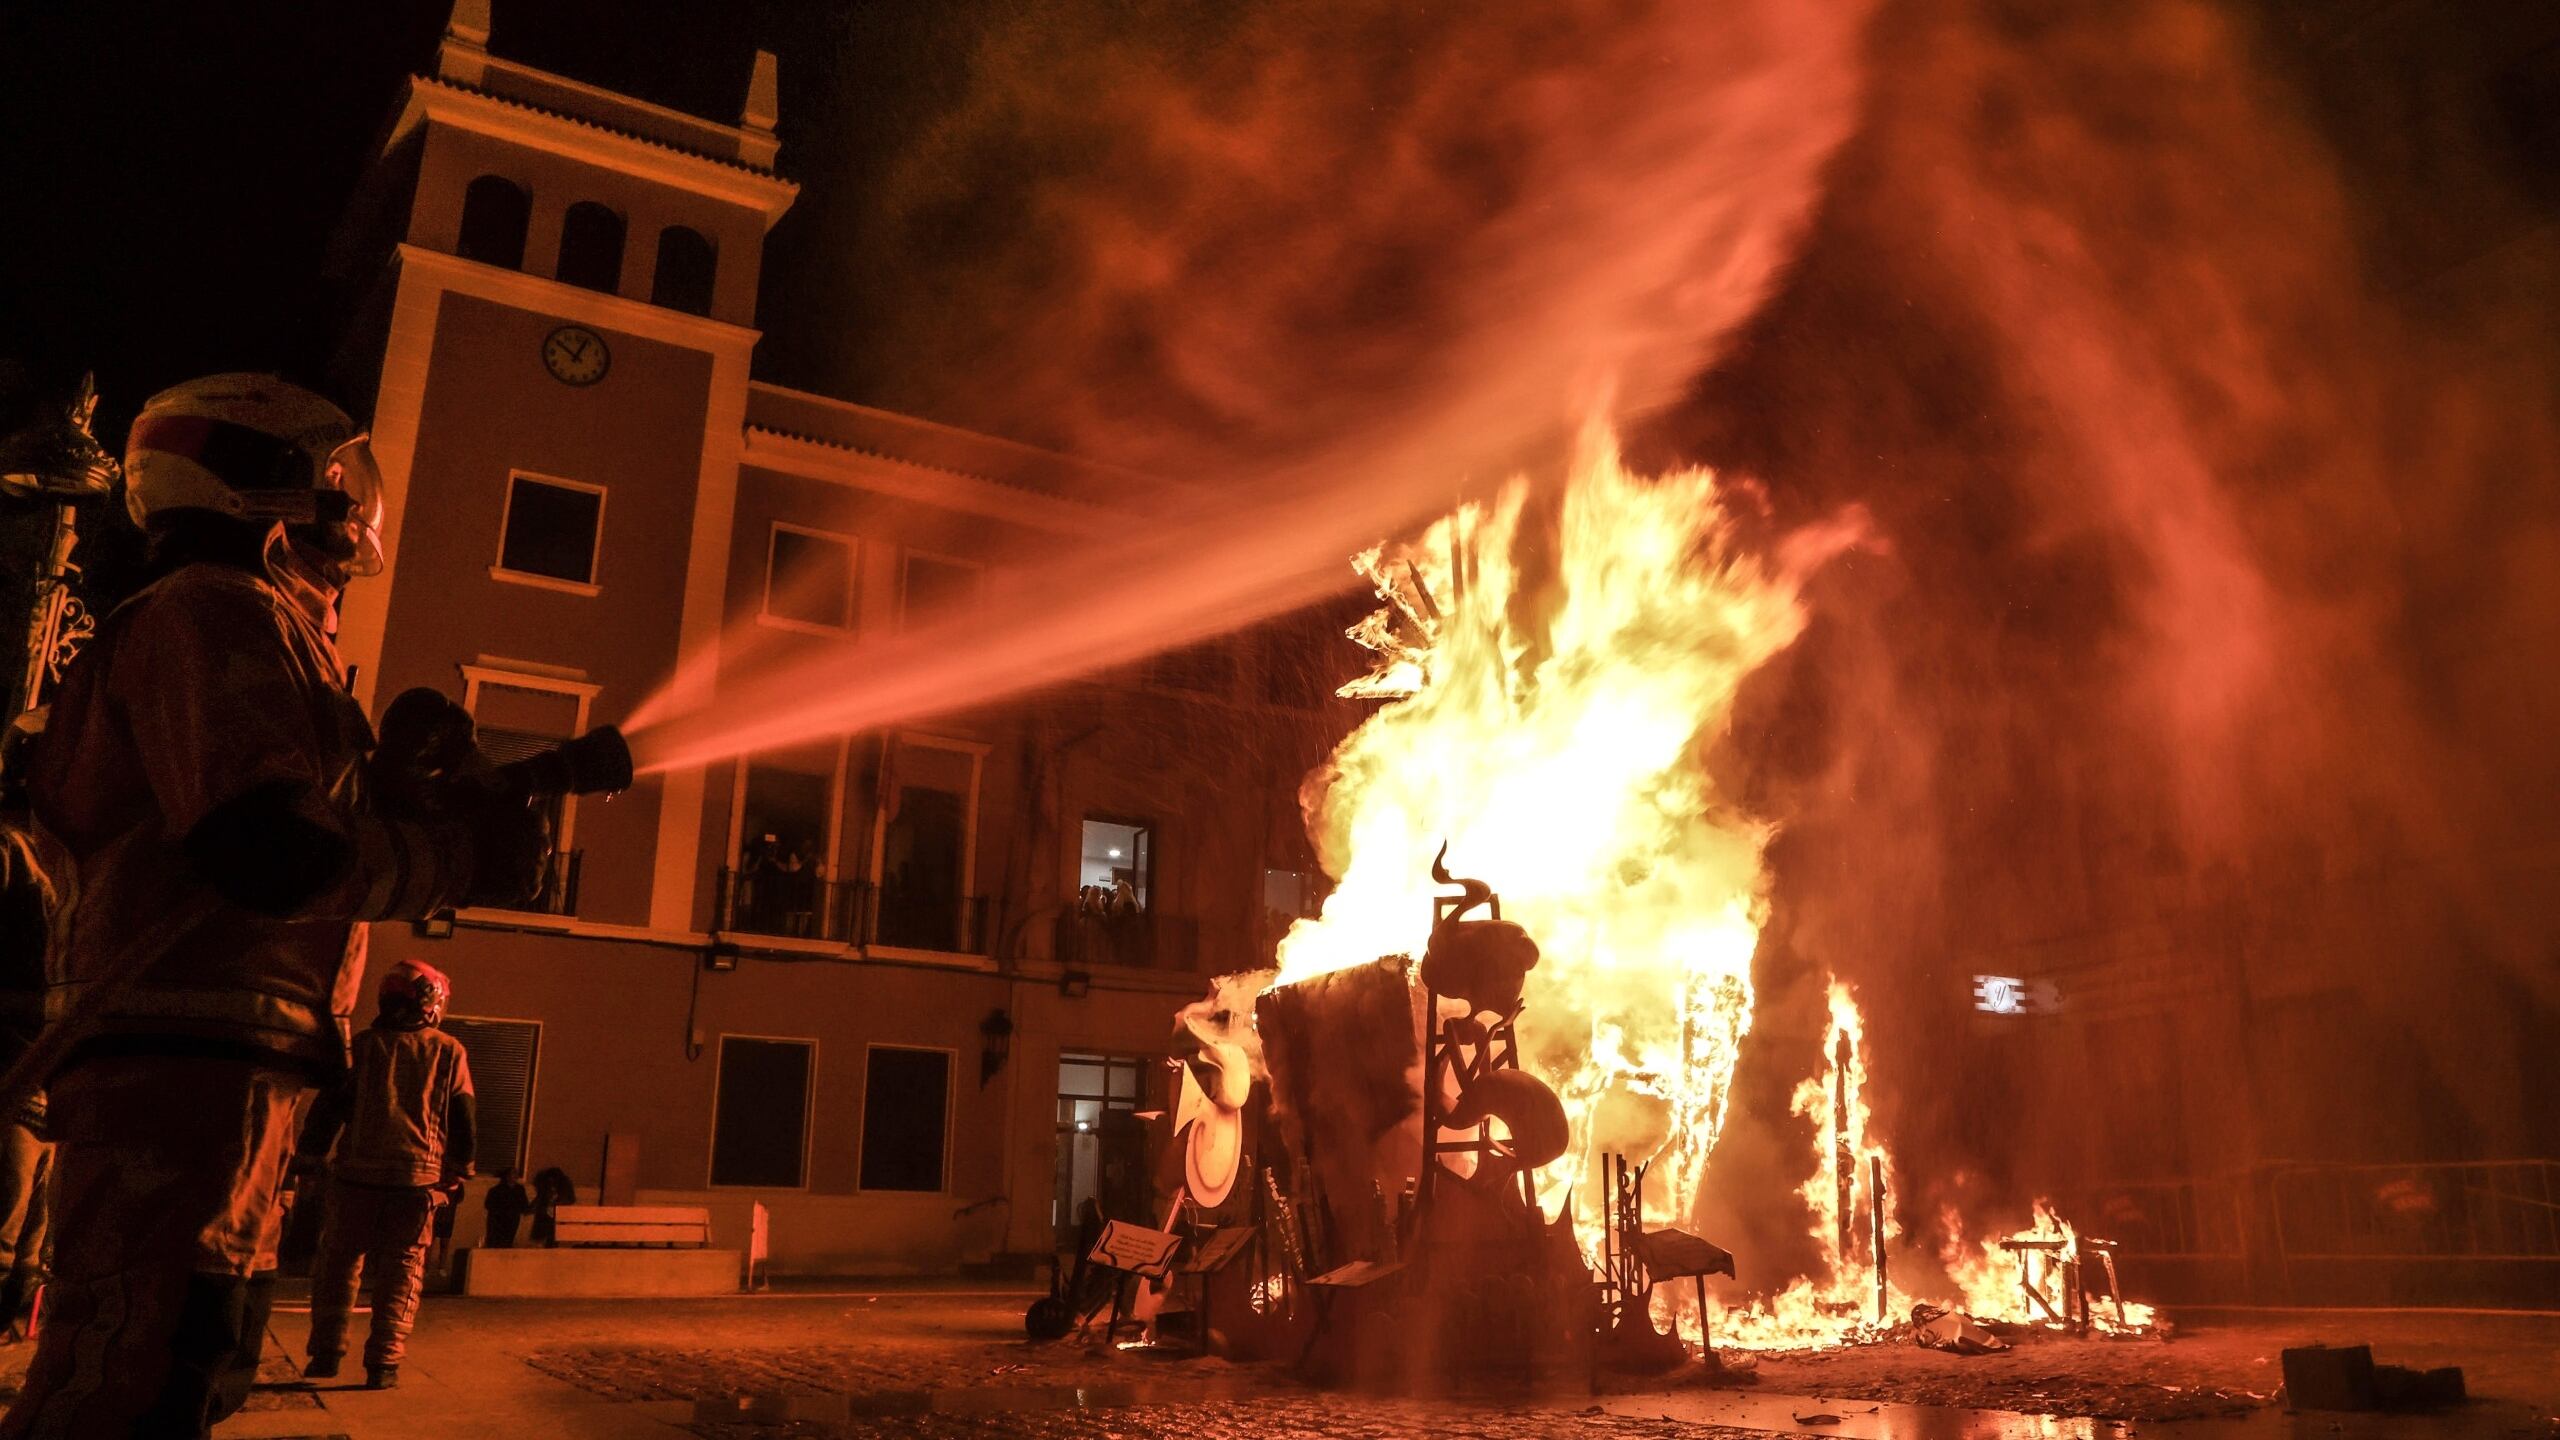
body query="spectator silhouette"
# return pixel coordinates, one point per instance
(507, 1201)
(551, 1190)
(795, 892)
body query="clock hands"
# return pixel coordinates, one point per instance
(575, 354)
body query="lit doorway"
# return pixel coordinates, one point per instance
(1102, 1144)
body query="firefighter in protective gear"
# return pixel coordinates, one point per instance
(204, 759)
(406, 1149)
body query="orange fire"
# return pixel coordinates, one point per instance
(1550, 694)
(1548, 726)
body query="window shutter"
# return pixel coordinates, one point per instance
(503, 1055)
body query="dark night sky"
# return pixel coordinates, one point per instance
(174, 169)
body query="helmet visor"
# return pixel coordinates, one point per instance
(351, 472)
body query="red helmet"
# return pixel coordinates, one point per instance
(413, 995)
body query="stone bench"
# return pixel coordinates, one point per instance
(630, 1225)
(614, 1251)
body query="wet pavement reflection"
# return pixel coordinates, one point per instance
(1684, 1411)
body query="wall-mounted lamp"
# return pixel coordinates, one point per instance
(1074, 983)
(723, 956)
(438, 926)
(995, 1035)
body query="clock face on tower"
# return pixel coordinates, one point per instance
(575, 355)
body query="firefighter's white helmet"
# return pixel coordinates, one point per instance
(257, 448)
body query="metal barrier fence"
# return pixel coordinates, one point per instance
(2455, 1232)
(2438, 1234)
(2184, 1241)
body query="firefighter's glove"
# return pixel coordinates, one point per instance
(510, 852)
(428, 743)
(264, 850)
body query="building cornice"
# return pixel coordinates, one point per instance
(438, 101)
(785, 453)
(555, 297)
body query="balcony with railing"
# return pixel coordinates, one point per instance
(799, 905)
(915, 918)
(786, 904)
(1138, 939)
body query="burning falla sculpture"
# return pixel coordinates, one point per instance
(1366, 1139)
(1403, 1173)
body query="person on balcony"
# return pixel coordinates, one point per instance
(795, 893)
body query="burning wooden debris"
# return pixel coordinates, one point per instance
(1352, 1179)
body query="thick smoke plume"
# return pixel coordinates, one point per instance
(2213, 651)
(1327, 264)
(2209, 642)
(1197, 235)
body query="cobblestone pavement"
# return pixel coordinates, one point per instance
(944, 1366)
(896, 1367)
(890, 1361)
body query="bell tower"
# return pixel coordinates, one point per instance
(556, 296)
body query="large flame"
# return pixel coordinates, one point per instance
(1840, 1301)
(1551, 691)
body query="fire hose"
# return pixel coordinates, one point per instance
(598, 762)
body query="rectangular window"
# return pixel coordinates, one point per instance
(551, 532)
(760, 1115)
(809, 578)
(519, 722)
(923, 865)
(1118, 862)
(504, 1055)
(1288, 896)
(1112, 922)
(906, 1118)
(779, 886)
(931, 587)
